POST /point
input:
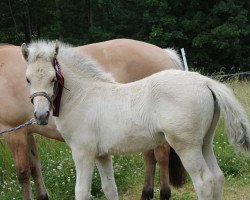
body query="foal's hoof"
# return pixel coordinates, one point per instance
(43, 197)
(165, 194)
(147, 194)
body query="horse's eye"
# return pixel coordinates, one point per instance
(28, 81)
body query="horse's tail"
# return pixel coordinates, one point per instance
(236, 119)
(177, 173)
(175, 58)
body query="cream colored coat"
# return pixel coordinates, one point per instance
(100, 117)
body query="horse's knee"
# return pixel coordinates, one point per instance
(147, 193)
(23, 175)
(220, 179)
(207, 187)
(165, 194)
(33, 171)
(110, 191)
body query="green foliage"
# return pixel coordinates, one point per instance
(215, 34)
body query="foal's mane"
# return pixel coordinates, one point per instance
(78, 63)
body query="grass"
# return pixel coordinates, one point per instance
(59, 173)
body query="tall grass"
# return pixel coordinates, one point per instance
(59, 172)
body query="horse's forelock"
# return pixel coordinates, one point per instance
(43, 50)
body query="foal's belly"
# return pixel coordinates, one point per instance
(131, 143)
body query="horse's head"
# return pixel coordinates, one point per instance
(41, 77)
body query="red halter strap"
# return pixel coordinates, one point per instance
(58, 88)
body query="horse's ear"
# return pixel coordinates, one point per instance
(25, 51)
(56, 48)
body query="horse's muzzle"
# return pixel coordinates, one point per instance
(41, 117)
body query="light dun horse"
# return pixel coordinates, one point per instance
(127, 60)
(99, 117)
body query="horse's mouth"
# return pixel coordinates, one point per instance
(42, 122)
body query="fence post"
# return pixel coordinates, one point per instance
(184, 59)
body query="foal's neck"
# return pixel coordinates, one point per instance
(82, 67)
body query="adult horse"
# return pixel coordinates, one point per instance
(127, 60)
(179, 107)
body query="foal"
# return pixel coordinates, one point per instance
(137, 116)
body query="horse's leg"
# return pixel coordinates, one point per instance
(35, 169)
(210, 158)
(105, 168)
(18, 144)
(85, 163)
(149, 164)
(194, 162)
(162, 158)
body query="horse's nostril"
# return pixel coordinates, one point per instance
(35, 115)
(41, 116)
(47, 114)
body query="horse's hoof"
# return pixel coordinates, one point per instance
(43, 197)
(147, 194)
(165, 194)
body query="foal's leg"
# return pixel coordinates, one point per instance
(215, 170)
(149, 164)
(18, 144)
(162, 158)
(210, 158)
(105, 168)
(35, 169)
(85, 163)
(194, 162)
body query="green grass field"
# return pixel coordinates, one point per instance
(59, 173)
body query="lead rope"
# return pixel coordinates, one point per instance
(30, 122)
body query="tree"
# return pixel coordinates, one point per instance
(215, 34)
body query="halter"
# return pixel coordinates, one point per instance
(58, 88)
(43, 94)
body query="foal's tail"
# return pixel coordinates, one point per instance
(177, 173)
(236, 120)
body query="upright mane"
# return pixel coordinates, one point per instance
(78, 63)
